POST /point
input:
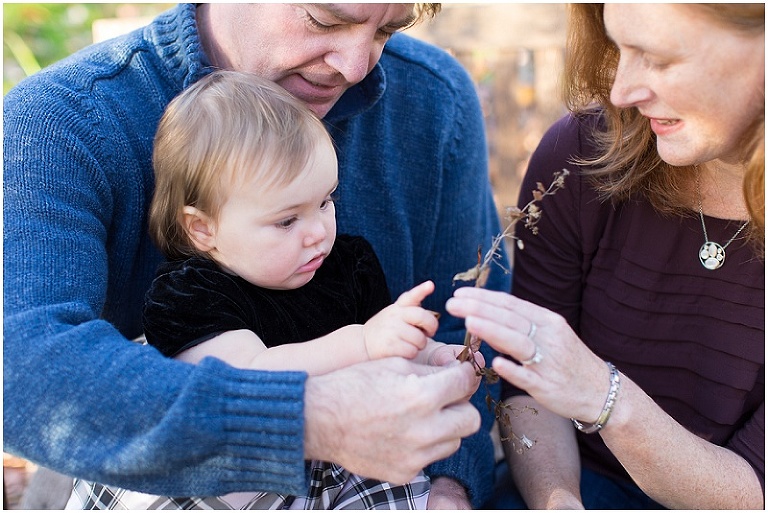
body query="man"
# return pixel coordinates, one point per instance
(78, 181)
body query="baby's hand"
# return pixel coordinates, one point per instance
(403, 328)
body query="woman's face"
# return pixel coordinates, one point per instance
(699, 83)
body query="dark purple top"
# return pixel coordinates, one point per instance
(630, 283)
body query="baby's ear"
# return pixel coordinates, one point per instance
(200, 229)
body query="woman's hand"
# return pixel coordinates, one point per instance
(571, 381)
(557, 369)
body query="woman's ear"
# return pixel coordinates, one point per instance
(200, 229)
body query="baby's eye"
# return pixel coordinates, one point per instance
(332, 198)
(286, 223)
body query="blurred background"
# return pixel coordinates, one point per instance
(514, 53)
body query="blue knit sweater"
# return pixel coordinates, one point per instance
(82, 399)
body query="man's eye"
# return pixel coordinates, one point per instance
(385, 34)
(314, 23)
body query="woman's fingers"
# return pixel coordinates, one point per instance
(555, 367)
(502, 338)
(499, 307)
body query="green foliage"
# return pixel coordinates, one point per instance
(36, 35)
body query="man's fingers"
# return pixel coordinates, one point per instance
(442, 436)
(460, 420)
(450, 385)
(447, 355)
(479, 359)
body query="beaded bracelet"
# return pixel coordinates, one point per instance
(607, 409)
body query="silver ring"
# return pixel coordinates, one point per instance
(533, 330)
(537, 356)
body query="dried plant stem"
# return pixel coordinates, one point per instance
(530, 214)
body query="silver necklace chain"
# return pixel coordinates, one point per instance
(712, 254)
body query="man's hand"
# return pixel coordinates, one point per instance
(388, 419)
(446, 354)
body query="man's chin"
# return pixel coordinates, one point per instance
(321, 109)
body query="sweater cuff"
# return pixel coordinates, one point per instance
(262, 427)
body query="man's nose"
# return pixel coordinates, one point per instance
(354, 59)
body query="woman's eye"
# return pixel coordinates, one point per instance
(654, 63)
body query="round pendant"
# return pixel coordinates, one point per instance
(712, 255)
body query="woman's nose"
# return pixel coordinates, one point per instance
(629, 86)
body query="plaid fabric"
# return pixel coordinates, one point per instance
(331, 487)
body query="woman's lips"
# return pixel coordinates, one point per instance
(664, 126)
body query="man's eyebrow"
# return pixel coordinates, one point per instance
(336, 11)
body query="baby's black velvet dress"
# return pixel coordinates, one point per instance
(194, 300)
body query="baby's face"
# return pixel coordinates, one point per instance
(277, 237)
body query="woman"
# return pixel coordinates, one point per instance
(652, 259)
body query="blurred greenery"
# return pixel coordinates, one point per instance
(36, 35)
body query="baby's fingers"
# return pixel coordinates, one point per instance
(416, 295)
(420, 318)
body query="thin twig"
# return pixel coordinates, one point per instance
(531, 215)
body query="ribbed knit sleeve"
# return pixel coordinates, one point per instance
(78, 396)
(89, 403)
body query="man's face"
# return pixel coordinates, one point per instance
(315, 51)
